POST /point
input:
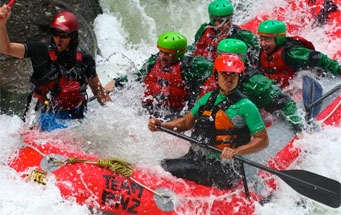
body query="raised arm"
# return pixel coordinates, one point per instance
(6, 47)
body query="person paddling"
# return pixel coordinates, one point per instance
(61, 71)
(225, 119)
(261, 90)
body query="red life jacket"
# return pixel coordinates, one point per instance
(62, 91)
(206, 46)
(166, 88)
(274, 66)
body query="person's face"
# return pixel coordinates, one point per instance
(167, 59)
(223, 25)
(268, 44)
(61, 39)
(228, 81)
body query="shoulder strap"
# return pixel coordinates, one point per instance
(79, 55)
(230, 100)
(210, 102)
(53, 55)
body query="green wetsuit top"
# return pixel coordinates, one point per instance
(243, 108)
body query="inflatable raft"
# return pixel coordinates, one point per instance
(88, 180)
(115, 187)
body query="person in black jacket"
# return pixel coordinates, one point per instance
(61, 71)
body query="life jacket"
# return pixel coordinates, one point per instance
(62, 88)
(214, 127)
(206, 46)
(274, 65)
(166, 87)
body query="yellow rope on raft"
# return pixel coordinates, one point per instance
(113, 164)
(120, 166)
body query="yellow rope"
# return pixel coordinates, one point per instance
(117, 165)
(113, 164)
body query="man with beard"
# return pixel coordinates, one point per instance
(169, 77)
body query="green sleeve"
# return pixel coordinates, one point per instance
(201, 102)
(250, 113)
(260, 90)
(197, 71)
(293, 118)
(266, 94)
(328, 64)
(299, 57)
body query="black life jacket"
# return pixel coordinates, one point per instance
(206, 129)
(63, 88)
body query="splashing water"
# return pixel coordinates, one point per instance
(127, 32)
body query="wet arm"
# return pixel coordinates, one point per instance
(180, 124)
(98, 90)
(6, 47)
(259, 142)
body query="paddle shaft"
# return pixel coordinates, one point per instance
(317, 187)
(10, 3)
(318, 101)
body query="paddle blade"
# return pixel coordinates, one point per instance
(312, 91)
(319, 188)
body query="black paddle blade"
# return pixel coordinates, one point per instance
(314, 186)
(312, 91)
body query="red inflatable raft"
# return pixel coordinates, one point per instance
(142, 192)
(103, 187)
(109, 186)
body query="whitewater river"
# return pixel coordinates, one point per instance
(127, 34)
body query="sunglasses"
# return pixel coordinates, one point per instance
(60, 34)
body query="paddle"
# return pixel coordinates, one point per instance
(311, 185)
(312, 91)
(10, 3)
(312, 96)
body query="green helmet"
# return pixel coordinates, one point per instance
(273, 28)
(233, 46)
(172, 42)
(220, 9)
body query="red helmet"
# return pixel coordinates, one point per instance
(65, 21)
(227, 62)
